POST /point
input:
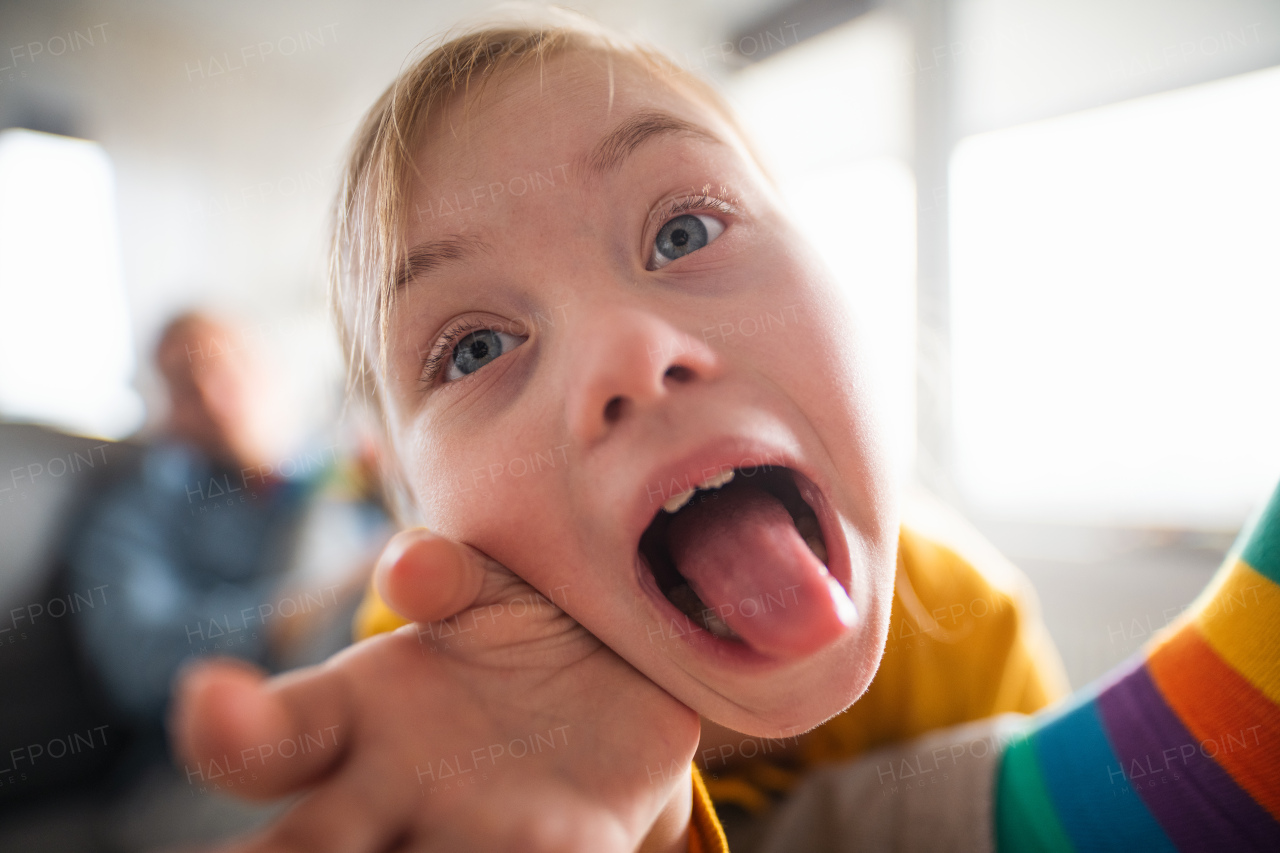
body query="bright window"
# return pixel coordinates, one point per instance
(66, 357)
(1116, 309)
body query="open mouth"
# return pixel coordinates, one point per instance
(732, 543)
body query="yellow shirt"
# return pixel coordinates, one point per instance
(965, 642)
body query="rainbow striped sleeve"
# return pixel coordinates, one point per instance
(1179, 750)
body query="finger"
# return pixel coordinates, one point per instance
(279, 734)
(426, 578)
(342, 818)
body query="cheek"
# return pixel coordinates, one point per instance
(807, 338)
(817, 357)
(502, 498)
(515, 505)
(466, 492)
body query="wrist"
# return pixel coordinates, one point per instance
(670, 832)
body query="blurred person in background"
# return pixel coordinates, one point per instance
(213, 544)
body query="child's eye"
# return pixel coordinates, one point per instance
(477, 349)
(686, 233)
(466, 348)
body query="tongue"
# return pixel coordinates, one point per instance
(740, 551)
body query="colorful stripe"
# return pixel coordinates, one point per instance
(1223, 711)
(1228, 623)
(1025, 819)
(1180, 752)
(1263, 550)
(1190, 795)
(1076, 759)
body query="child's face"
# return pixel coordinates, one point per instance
(575, 381)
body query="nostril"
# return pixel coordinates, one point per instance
(678, 373)
(613, 409)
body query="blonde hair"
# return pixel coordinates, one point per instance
(367, 239)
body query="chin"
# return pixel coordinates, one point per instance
(798, 698)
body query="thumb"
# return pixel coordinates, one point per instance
(427, 578)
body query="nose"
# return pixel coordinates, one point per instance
(626, 361)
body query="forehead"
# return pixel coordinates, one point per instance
(548, 116)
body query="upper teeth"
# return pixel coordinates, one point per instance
(675, 502)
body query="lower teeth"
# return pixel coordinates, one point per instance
(688, 602)
(718, 626)
(811, 533)
(819, 550)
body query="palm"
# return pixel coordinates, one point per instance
(506, 722)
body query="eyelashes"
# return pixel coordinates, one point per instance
(435, 358)
(685, 227)
(702, 202)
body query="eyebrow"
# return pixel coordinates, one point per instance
(425, 258)
(608, 156)
(611, 151)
